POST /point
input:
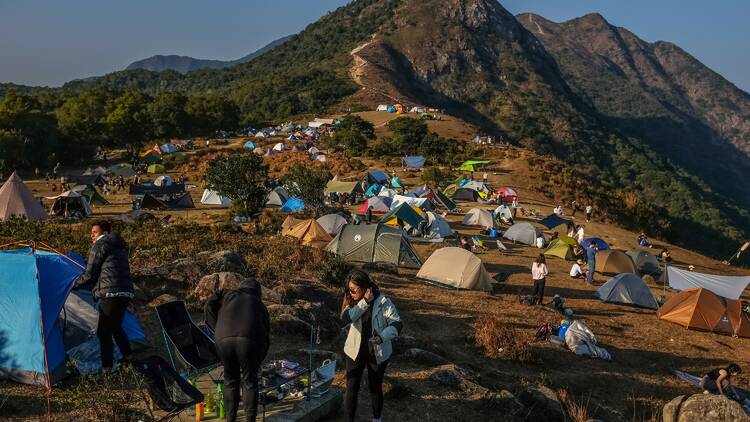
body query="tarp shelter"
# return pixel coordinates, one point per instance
(277, 197)
(332, 223)
(249, 145)
(401, 216)
(443, 201)
(340, 187)
(522, 233)
(168, 149)
(374, 243)
(562, 247)
(16, 199)
(378, 177)
(439, 227)
(614, 262)
(477, 217)
(450, 190)
(730, 287)
(293, 205)
(309, 232)
(553, 220)
(506, 194)
(421, 203)
(91, 194)
(124, 170)
(379, 205)
(279, 147)
(456, 267)
(68, 203)
(645, 262)
(469, 195)
(627, 289)
(471, 165)
(600, 244)
(701, 309)
(156, 168)
(211, 197)
(35, 287)
(414, 162)
(164, 181)
(503, 211)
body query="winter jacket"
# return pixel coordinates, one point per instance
(107, 269)
(240, 313)
(386, 323)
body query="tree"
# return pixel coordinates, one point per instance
(308, 183)
(352, 135)
(128, 121)
(241, 178)
(168, 116)
(81, 120)
(433, 176)
(438, 149)
(30, 129)
(408, 134)
(212, 112)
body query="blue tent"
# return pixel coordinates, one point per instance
(602, 245)
(414, 162)
(373, 190)
(249, 145)
(396, 182)
(293, 204)
(168, 149)
(553, 220)
(391, 109)
(378, 177)
(35, 287)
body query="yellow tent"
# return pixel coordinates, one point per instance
(309, 232)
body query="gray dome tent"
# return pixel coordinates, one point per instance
(374, 243)
(627, 289)
(277, 197)
(522, 233)
(645, 262)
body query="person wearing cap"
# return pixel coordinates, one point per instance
(576, 271)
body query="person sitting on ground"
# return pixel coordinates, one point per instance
(643, 240)
(465, 243)
(576, 271)
(719, 381)
(555, 236)
(540, 241)
(665, 256)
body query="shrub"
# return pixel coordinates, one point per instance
(333, 270)
(500, 340)
(242, 178)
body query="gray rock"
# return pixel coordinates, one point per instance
(541, 403)
(227, 261)
(424, 357)
(403, 343)
(454, 376)
(184, 270)
(704, 408)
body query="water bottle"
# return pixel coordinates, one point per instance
(220, 398)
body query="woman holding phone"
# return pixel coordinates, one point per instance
(373, 323)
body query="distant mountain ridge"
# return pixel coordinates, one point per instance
(184, 64)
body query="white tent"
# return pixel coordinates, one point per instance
(503, 211)
(279, 147)
(210, 197)
(422, 203)
(69, 202)
(322, 158)
(382, 107)
(313, 151)
(387, 193)
(332, 223)
(730, 287)
(261, 134)
(480, 218)
(477, 186)
(17, 199)
(164, 181)
(456, 267)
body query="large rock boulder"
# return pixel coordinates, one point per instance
(212, 283)
(542, 404)
(227, 261)
(185, 271)
(704, 408)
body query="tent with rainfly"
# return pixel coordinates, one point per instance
(374, 243)
(645, 262)
(156, 168)
(506, 194)
(70, 202)
(600, 244)
(293, 205)
(43, 323)
(457, 268)
(309, 232)
(703, 310)
(17, 200)
(378, 177)
(612, 261)
(439, 227)
(277, 197)
(477, 217)
(379, 204)
(402, 215)
(211, 197)
(91, 194)
(249, 145)
(563, 247)
(332, 223)
(627, 289)
(522, 233)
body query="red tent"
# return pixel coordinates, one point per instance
(507, 194)
(377, 203)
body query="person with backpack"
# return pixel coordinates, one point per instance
(539, 274)
(373, 323)
(242, 334)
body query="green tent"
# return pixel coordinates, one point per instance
(450, 190)
(470, 164)
(156, 168)
(91, 194)
(374, 243)
(403, 214)
(562, 247)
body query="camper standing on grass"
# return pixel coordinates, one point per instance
(591, 258)
(539, 273)
(108, 276)
(373, 323)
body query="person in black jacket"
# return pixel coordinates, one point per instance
(241, 331)
(108, 276)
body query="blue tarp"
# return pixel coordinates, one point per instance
(373, 190)
(602, 245)
(414, 162)
(249, 145)
(378, 177)
(293, 205)
(553, 220)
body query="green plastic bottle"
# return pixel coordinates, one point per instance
(220, 399)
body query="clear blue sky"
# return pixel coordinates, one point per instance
(49, 42)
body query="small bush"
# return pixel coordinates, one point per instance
(578, 411)
(333, 270)
(500, 340)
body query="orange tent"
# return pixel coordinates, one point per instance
(309, 232)
(614, 262)
(701, 309)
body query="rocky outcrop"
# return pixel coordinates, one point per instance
(704, 408)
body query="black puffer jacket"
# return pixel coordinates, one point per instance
(107, 269)
(240, 313)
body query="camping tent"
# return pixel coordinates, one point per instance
(700, 309)
(422, 203)
(450, 190)
(602, 245)
(183, 201)
(479, 218)
(68, 203)
(402, 215)
(373, 190)
(507, 194)
(17, 199)
(387, 193)
(98, 170)
(477, 186)
(456, 267)
(414, 162)
(90, 193)
(379, 205)
(150, 158)
(614, 262)
(332, 223)
(156, 168)
(277, 197)
(249, 145)
(150, 202)
(124, 170)
(309, 232)
(443, 201)
(168, 149)
(522, 233)
(627, 289)
(261, 134)
(725, 286)
(279, 147)
(378, 177)
(340, 187)
(562, 247)
(374, 243)
(382, 107)
(164, 181)
(439, 227)
(553, 220)
(395, 182)
(35, 287)
(211, 197)
(471, 165)
(503, 211)
(645, 262)
(463, 194)
(293, 205)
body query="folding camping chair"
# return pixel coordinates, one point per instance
(193, 346)
(167, 390)
(479, 244)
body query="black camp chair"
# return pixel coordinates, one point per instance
(193, 346)
(166, 388)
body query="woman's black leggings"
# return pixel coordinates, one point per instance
(111, 313)
(539, 290)
(354, 372)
